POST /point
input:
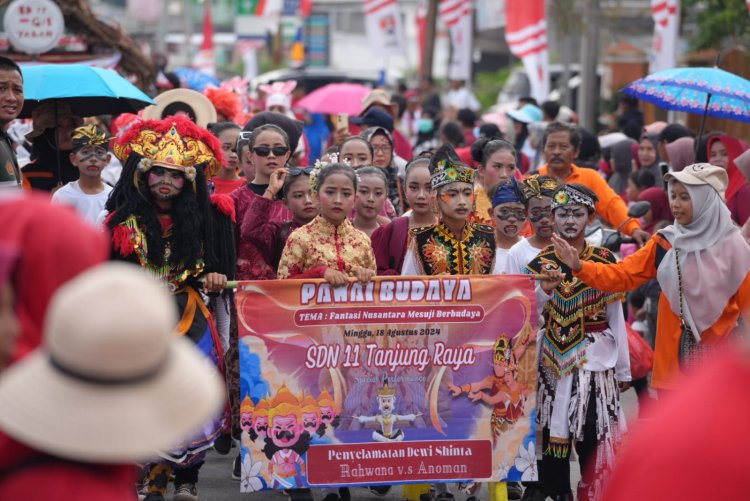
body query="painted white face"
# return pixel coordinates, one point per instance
(386, 404)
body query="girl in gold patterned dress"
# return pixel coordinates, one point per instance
(329, 246)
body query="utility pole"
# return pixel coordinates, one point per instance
(429, 43)
(588, 95)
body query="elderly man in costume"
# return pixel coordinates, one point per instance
(162, 218)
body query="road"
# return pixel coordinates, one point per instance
(216, 482)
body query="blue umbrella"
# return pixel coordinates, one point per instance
(89, 90)
(196, 79)
(708, 91)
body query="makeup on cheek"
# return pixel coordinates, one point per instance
(505, 215)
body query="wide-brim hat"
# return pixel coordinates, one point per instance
(196, 105)
(703, 173)
(114, 384)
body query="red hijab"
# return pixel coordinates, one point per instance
(660, 210)
(54, 246)
(734, 147)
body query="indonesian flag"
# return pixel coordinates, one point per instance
(384, 27)
(204, 59)
(666, 14)
(421, 20)
(456, 14)
(748, 4)
(526, 34)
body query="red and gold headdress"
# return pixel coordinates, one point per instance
(173, 143)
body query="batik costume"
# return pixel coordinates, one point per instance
(178, 144)
(583, 355)
(319, 245)
(435, 250)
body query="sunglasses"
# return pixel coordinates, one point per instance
(264, 151)
(296, 171)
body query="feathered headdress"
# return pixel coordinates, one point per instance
(173, 143)
(226, 102)
(446, 168)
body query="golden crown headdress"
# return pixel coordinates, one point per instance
(247, 406)
(89, 135)
(173, 143)
(284, 404)
(262, 408)
(538, 186)
(386, 391)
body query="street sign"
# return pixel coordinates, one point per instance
(33, 26)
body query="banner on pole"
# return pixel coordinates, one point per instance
(666, 15)
(456, 14)
(399, 380)
(526, 34)
(384, 27)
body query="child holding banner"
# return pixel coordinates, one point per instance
(389, 241)
(472, 245)
(537, 194)
(584, 354)
(330, 247)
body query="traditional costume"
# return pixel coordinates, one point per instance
(178, 245)
(584, 352)
(435, 250)
(319, 245)
(510, 192)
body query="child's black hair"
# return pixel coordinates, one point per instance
(331, 169)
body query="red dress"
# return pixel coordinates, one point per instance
(252, 263)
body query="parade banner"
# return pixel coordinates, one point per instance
(666, 15)
(526, 34)
(400, 380)
(457, 16)
(384, 27)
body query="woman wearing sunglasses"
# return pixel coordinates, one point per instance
(269, 152)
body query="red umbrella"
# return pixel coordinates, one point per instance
(335, 98)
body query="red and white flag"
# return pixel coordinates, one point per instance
(747, 2)
(384, 27)
(666, 14)
(526, 34)
(457, 15)
(204, 58)
(421, 20)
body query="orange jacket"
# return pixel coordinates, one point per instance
(637, 269)
(610, 205)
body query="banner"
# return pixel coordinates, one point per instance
(384, 27)
(400, 380)
(526, 34)
(456, 14)
(666, 14)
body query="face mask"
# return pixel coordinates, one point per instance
(425, 125)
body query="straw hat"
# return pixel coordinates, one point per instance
(196, 105)
(113, 384)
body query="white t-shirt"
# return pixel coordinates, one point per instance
(522, 253)
(87, 206)
(505, 263)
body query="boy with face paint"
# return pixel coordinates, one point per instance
(90, 155)
(584, 354)
(537, 193)
(453, 246)
(509, 215)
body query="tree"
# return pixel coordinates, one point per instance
(718, 22)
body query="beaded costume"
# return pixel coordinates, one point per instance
(434, 250)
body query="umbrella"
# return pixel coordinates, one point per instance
(89, 90)
(335, 98)
(708, 91)
(196, 79)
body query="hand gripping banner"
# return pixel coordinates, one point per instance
(399, 380)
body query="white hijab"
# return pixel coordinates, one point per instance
(714, 260)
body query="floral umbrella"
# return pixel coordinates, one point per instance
(710, 92)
